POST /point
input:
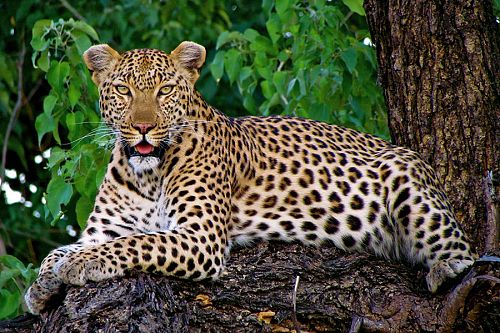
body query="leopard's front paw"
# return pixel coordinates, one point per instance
(41, 291)
(79, 267)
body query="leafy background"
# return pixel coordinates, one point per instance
(303, 58)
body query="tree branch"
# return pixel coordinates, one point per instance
(338, 292)
(17, 107)
(72, 9)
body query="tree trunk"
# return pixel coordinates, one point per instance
(439, 65)
(336, 291)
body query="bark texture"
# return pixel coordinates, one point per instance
(439, 65)
(337, 292)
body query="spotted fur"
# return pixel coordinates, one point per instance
(185, 182)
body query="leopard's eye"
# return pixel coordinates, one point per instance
(165, 90)
(122, 90)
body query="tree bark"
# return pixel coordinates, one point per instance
(439, 65)
(337, 292)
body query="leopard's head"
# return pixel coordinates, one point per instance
(145, 95)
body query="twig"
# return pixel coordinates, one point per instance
(33, 91)
(17, 107)
(72, 9)
(346, 18)
(294, 302)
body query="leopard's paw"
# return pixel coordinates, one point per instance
(446, 269)
(41, 291)
(79, 267)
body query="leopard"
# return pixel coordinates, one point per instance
(185, 183)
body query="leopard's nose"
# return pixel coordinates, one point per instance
(144, 128)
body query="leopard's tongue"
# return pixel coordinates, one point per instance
(144, 148)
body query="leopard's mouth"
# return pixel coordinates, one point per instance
(145, 149)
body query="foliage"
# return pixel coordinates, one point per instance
(496, 8)
(75, 169)
(15, 278)
(305, 58)
(69, 107)
(308, 63)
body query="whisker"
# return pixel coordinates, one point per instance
(103, 135)
(90, 122)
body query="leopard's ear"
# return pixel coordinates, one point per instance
(100, 60)
(190, 56)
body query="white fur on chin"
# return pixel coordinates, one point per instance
(141, 164)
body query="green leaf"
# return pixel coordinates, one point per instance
(267, 89)
(57, 75)
(227, 37)
(6, 275)
(58, 193)
(55, 133)
(74, 122)
(291, 85)
(283, 55)
(249, 103)
(82, 41)
(84, 207)
(267, 6)
(29, 274)
(232, 64)
(263, 44)
(302, 82)
(101, 170)
(44, 61)
(273, 26)
(44, 124)
(56, 156)
(11, 262)
(222, 39)
(85, 183)
(48, 104)
(74, 57)
(38, 33)
(217, 66)
(251, 34)
(355, 6)
(9, 302)
(350, 58)
(80, 25)
(283, 7)
(320, 112)
(74, 92)
(245, 73)
(263, 66)
(40, 27)
(280, 80)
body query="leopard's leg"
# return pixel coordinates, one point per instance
(186, 252)
(194, 249)
(48, 283)
(428, 230)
